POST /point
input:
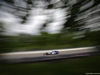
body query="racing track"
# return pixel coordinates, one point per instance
(36, 56)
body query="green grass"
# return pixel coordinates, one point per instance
(76, 66)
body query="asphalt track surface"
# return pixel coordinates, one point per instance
(37, 56)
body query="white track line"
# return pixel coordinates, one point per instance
(60, 50)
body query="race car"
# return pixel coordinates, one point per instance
(51, 53)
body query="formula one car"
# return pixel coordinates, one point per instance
(51, 53)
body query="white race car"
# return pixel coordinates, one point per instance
(51, 53)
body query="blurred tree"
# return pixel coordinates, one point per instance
(2, 41)
(1, 28)
(71, 22)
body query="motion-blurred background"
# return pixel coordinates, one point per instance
(48, 24)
